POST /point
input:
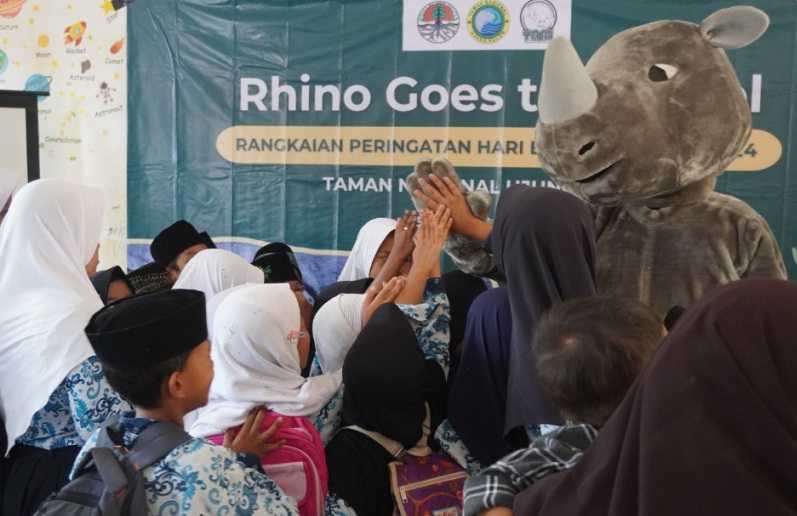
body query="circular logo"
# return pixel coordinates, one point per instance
(438, 22)
(488, 21)
(3, 61)
(538, 18)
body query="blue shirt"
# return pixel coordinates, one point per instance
(199, 477)
(78, 406)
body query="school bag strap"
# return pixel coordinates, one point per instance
(109, 480)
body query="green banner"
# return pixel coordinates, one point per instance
(297, 121)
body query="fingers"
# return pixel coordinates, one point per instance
(227, 439)
(452, 187)
(442, 186)
(247, 426)
(372, 291)
(409, 224)
(425, 199)
(258, 420)
(270, 447)
(431, 189)
(270, 431)
(392, 289)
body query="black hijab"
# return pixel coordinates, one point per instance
(462, 289)
(481, 379)
(387, 384)
(278, 263)
(388, 381)
(710, 427)
(543, 241)
(103, 279)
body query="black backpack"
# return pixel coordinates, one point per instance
(111, 486)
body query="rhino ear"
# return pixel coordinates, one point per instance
(734, 27)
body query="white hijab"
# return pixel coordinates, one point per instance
(256, 364)
(52, 232)
(370, 237)
(215, 270)
(335, 327)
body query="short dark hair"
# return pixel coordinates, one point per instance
(590, 350)
(141, 386)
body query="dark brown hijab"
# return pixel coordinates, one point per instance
(709, 428)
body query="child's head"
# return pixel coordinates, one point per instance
(590, 350)
(154, 349)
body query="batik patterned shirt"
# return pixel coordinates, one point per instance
(199, 477)
(78, 406)
(431, 322)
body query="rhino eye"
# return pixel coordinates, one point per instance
(661, 72)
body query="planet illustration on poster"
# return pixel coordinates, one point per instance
(3, 62)
(10, 8)
(38, 82)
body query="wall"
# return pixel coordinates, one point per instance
(77, 50)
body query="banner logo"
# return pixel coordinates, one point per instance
(488, 21)
(538, 18)
(438, 22)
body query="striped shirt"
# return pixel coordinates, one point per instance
(497, 485)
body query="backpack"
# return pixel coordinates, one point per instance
(427, 485)
(107, 485)
(299, 466)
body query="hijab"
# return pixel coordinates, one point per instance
(335, 327)
(256, 362)
(543, 241)
(462, 289)
(710, 427)
(103, 279)
(329, 292)
(369, 239)
(389, 382)
(52, 233)
(481, 379)
(214, 270)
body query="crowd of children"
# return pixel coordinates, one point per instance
(398, 389)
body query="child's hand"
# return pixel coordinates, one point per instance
(430, 238)
(377, 296)
(404, 234)
(250, 439)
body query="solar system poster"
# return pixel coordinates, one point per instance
(297, 122)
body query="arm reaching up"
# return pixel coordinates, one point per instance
(429, 241)
(401, 252)
(435, 191)
(434, 183)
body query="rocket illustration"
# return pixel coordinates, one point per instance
(74, 33)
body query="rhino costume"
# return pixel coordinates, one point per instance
(641, 133)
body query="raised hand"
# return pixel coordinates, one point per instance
(430, 238)
(436, 192)
(403, 244)
(377, 296)
(250, 439)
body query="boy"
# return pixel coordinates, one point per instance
(589, 351)
(155, 353)
(174, 247)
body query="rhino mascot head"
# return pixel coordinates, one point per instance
(657, 108)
